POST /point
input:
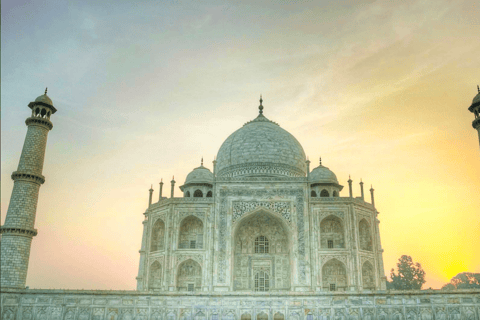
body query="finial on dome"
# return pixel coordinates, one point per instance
(260, 107)
(320, 160)
(201, 162)
(46, 91)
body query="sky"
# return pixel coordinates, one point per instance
(379, 89)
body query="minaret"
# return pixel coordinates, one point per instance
(18, 230)
(475, 109)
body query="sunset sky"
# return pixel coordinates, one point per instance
(379, 89)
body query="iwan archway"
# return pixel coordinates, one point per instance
(262, 248)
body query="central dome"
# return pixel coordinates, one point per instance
(261, 148)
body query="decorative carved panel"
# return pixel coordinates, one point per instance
(183, 214)
(326, 258)
(337, 213)
(196, 257)
(242, 207)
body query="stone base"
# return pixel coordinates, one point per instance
(99, 305)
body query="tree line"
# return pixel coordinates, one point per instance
(411, 276)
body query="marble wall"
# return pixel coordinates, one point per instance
(121, 305)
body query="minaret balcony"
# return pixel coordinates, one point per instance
(19, 231)
(26, 176)
(39, 121)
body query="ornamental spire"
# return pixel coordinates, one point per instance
(47, 88)
(320, 160)
(201, 164)
(260, 107)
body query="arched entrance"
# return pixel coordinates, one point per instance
(261, 253)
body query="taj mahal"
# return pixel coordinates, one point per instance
(261, 234)
(262, 221)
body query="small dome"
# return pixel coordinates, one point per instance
(199, 175)
(322, 174)
(475, 102)
(476, 99)
(45, 99)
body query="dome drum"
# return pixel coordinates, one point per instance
(325, 190)
(260, 169)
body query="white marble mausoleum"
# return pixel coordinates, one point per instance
(261, 221)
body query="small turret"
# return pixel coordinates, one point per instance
(199, 183)
(323, 182)
(150, 196)
(371, 194)
(350, 187)
(173, 187)
(362, 195)
(161, 190)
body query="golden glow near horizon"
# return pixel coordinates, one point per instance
(380, 90)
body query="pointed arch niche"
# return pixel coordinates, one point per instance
(158, 236)
(368, 276)
(262, 316)
(332, 234)
(155, 276)
(261, 250)
(365, 235)
(334, 276)
(278, 316)
(189, 276)
(191, 233)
